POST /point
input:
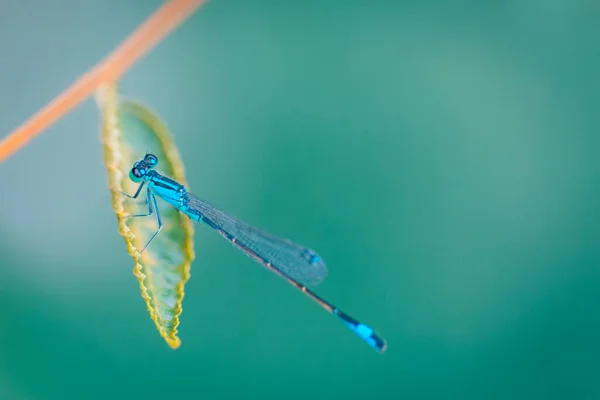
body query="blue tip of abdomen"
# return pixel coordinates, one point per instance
(362, 330)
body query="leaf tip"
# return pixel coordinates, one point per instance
(173, 342)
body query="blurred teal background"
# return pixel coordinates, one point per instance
(441, 156)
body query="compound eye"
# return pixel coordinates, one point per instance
(137, 172)
(151, 160)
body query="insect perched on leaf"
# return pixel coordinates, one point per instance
(160, 237)
(295, 263)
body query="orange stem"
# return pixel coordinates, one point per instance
(153, 30)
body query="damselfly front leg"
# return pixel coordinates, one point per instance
(152, 208)
(137, 193)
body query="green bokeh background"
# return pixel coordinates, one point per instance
(440, 155)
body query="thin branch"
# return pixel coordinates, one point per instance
(152, 31)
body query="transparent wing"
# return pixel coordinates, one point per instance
(296, 261)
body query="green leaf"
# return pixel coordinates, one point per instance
(130, 130)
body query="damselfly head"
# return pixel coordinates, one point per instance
(141, 168)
